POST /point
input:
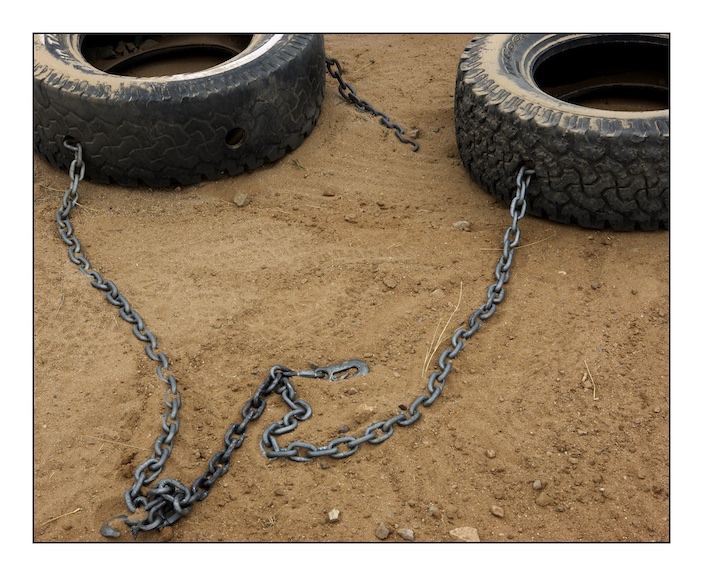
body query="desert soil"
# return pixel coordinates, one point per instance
(347, 248)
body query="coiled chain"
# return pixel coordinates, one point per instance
(169, 500)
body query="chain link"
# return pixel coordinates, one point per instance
(349, 94)
(169, 500)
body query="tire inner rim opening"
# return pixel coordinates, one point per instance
(607, 74)
(150, 55)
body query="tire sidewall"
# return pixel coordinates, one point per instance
(62, 53)
(597, 168)
(516, 56)
(173, 130)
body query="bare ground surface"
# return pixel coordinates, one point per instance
(347, 249)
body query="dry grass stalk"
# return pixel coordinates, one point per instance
(591, 379)
(61, 516)
(115, 442)
(522, 245)
(437, 340)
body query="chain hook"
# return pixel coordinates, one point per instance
(109, 532)
(348, 369)
(358, 367)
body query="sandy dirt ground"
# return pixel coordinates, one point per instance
(347, 248)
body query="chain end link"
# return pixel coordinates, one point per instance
(108, 531)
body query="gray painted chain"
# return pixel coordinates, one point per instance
(349, 94)
(382, 430)
(169, 500)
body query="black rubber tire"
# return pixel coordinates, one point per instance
(252, 108)
(517, 101)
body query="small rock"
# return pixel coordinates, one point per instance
(537, 485)
(390, 282)
(543, 499)
(414, 133)
(406, 534)
(497, 511)
(333, 515)
(121, 48)
(463, 225)
(382, 531)
(490, 453)
(364, 413)
(103, 53)
(465, 534)
(241, 199)
(434, 511)
(148, 43)
(351, 218)
(438, 293)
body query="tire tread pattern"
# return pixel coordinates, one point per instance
(174, 133)
(590, 171)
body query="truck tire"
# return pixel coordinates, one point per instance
(165, 110)
(589, 112)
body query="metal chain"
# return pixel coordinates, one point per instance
(382, 430)
(349, 93)
(169, 500)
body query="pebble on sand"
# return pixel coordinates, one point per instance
(465, 534)
(382, 531)
(406, 533)
(497, 511)
(241, 199)
(543, 499)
